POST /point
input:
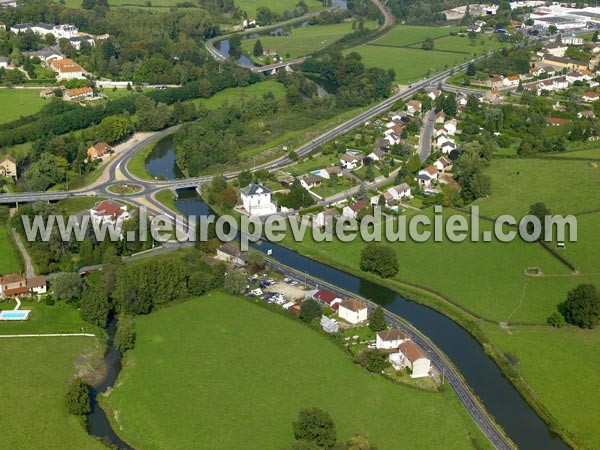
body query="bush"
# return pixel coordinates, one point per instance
(78, 398)
(372, 359)
(556, 320)
(125, 336)
(316, 426)
(379, 259)
(49, 300)
(310, 310)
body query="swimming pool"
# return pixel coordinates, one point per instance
(14, 315)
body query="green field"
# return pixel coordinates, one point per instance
(9, 257)
(562, 367)
(250, 6)
(240, 94)
(19, 102)
(302, 41)
(592, 153)
(567, 187)
(400, 49)
(35, 374)
(220, 372)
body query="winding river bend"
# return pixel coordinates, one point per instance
(499, 396)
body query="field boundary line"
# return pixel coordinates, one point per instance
(47, 335)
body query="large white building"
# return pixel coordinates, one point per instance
(564, 18)
(256, 199)
(353, 311)
(64, 31)
(390, 339)
(109, 212)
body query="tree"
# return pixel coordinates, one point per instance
(200, 282)
(595, 37)
(377, 320)
(540, 211)
(471, 70)
(235, 283)
(556, 319)
(256, 262)
(68, 287)
(258, 48)
(114, 129)
(428, 44)
(379, 259)
(78, 398)
(372, 359)
(582, 307)
(95, 305)
(310, 310)
(552, 29)
(125, 335)
(245, 177)
(317, 426)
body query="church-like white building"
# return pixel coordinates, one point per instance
(256, 199)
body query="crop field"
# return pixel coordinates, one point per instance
(195, 351)
(302, 41)
(19, 102)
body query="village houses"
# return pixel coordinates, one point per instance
(12, 285)
(351, 211)
(98, 151)
(8, 167)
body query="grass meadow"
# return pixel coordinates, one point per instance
(400, 49)
(236, 375)
(562, 366)
(250, 6)
(19, 102)
(9, 257)
(36, 374)
(302, 41)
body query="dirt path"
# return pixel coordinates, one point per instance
(29, 269)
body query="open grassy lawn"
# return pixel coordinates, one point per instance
(562, 367)
(567, 187)
(400, 49)
(9, 257)
(239, 94)
(58, 318)
(19, 102)
(302, 41)
(218, 372)
(36, 373)
(250, 6)
(592, 153)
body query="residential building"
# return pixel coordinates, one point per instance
(76, 41)
(328, 298)
(8, 167)
(352, 210)
(109, 212)
(442, 163)
(426, 176)
(4, 62)
(412, 356)
(376, 155)
(572, 40)
(441, 117)
(327, 215)
(433, 93)
(311, 181)
(590, 97)
(386, 196)
(46, 54)
(390, 339)
(37, 285)
(450, 126)
(556, 122)
(351, 159)
(400, 191)
(353, 311)
(447, 147)
(83, 93)
(231, 253)
(586, 115)
(569, 63)
(555, 49)
(256, 200)
(98, 151)
(66, 69)
(413, 107)
(511, 81)
(13, 284)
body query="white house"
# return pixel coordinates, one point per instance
(351, 160)
(4, 62)
(441, 163)
(590, 97)
(390, 339)
(325, 216)
(426, 176)
(110, 212)
(433, 94)
(76, 41)
(560, 83)
(572, 40)
(511, 81)
(386, 196)
(448, 147)
(37, 285)
(450, 126)
(256, 199)
(377, 155)
(353, 209)
(353, 311)
(311, 181)
(249, 23)
(400, 191)
(412, 356)
(413, 107)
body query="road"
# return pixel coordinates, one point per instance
(426, 134)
